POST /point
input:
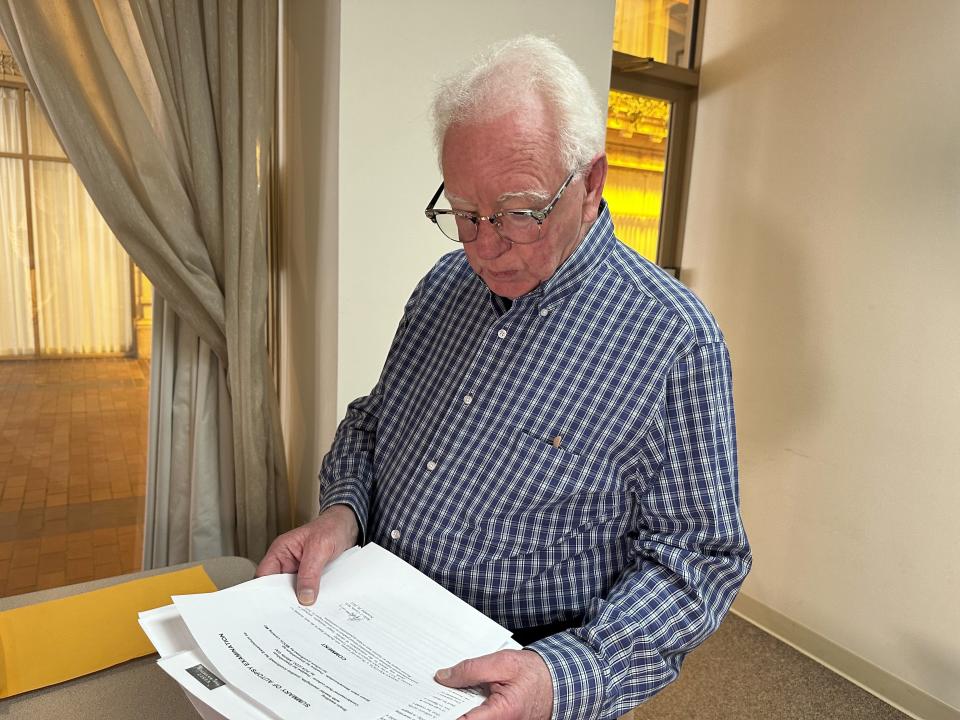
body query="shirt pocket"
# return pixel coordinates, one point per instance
(550, 500)
(536, 472)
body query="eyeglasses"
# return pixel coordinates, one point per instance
(516, 226)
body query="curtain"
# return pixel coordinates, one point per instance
(82, 275)
(187, 385)
(165, 108)
(84, 302)
(16, 314)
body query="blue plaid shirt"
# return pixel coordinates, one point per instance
(573, 456)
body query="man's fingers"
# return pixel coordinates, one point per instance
(270, 565)
(482, 670)
(283, 555)
(307, 549)
(495, 707)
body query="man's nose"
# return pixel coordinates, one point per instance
(489, 244)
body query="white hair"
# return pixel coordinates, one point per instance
(504, 76)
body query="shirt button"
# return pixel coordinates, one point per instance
(502, 334)
(431, 465)
(467, 399)
(544, 312)
(395, 534)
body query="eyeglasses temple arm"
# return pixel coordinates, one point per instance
(436, 196)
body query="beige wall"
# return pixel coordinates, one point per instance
(824, 231)
(309, 159)
(360, 170)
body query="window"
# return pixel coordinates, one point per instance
(653, 87)
(72, 427)
(70, 288)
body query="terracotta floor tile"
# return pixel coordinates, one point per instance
(21, 580)
(39, 493)
(56, 512)
(13, 492)
(77, 551)
(79, 570)
(53, 543)
(72, 458)
(105, 553)
(24, 557)
(54, 527)
(108, 569)
(80, 544)
(51, 580)
(105, 536)
(10, 505)
(29, 524)
(52, 562)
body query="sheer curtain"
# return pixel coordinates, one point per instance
(82, 275)
(166, 110)
(84, 303)
(16, 319)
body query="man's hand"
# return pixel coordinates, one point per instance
(307, 549)
(518, 681)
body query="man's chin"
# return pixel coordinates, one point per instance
(509, 285)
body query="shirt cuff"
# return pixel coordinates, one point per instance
(578, 687)
(352, 495)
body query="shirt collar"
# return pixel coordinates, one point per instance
(587, 256)
(500, 304)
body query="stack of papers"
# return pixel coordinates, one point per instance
(366, 650)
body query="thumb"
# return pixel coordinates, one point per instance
(317, 552)
(308, 577)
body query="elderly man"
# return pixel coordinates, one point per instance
(552, 436)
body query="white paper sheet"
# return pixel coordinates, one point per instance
(367, 650)
(210, 695)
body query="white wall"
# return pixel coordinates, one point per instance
(391, 55)
(824, 232)
(379, 176)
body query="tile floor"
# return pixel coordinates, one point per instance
(72, 470)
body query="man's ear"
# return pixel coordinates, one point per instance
(593, 181)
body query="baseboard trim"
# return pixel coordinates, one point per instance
(902, 695)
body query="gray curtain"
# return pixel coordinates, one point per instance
(166, 110)
(190, 488)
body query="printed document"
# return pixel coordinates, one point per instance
(366, 650)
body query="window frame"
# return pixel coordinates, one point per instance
(679, 86)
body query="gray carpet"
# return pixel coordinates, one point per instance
(742, 673)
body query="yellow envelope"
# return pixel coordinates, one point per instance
(58, 640)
